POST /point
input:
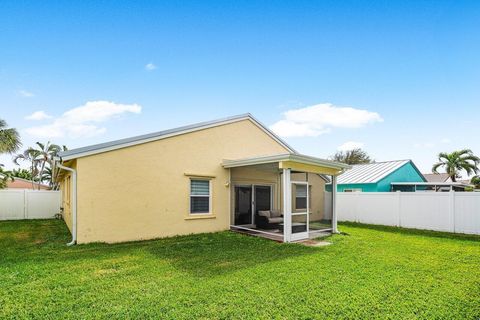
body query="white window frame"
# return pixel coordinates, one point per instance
(353, 190)
(210, 211)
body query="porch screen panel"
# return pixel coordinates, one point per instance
(300, 196)
(199, 196)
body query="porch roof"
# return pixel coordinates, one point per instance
(297, 162)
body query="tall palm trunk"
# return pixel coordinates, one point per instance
(33, 176)
(41, 174)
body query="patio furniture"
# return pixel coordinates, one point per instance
(268, 219)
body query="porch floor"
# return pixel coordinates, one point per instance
(252, 232)
(277, 234)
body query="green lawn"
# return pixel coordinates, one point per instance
(367, 273)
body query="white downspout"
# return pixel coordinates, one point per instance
(74, 203)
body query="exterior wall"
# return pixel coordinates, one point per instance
(406, 173)
(143, 191)
(366, 187)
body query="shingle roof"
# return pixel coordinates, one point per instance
(370, 172)
(20, 183)
(436, 177)
(122, 143)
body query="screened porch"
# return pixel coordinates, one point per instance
(283, 197)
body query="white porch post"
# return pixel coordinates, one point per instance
(334, 204)
(287, 205)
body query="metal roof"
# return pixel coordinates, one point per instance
(123, 143)
(300, 158)
(371, 172)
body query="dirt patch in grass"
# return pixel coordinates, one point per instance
(315, 243)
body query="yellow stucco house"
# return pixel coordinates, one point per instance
(231, 173)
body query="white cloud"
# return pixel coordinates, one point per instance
(38, 115)
(446, 141)
(82, 122)
(150, 67)
(25, 93)
(350, 145)
(318, 119)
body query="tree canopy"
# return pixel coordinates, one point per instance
(457, 161)
(9, 138)
(354, 156)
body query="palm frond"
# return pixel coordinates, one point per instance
(436, 166)
(9, 140)
(464, 151)
(443, 155)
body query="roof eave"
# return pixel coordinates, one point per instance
(285, 157)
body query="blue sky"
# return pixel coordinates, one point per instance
(409, 71)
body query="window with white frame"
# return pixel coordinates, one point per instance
(200, 196)
(353, 190)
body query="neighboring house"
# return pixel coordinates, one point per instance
(436, 182)
(378, 176)
(212, 176)
(437, 177)
(19, 183)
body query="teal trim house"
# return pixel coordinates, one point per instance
(378, 176)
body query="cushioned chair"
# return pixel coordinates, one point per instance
(268, 219)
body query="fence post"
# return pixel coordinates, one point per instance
(399, 207)
(25, 204)
(452, 210)
(357, 219)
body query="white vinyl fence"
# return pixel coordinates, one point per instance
(29, 204)
(440, 211)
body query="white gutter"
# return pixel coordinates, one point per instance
(74, 203)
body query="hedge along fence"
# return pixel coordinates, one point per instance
(29, 204)
(457, 212)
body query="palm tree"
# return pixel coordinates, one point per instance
(457, 161)
(47, 176)
(22, 173)
(46, 153)
(40, 158)
(354, 156)
(32, 156)
(5, 175)
(49, 173)
(9, 138)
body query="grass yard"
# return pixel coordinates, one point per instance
(369, 273)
